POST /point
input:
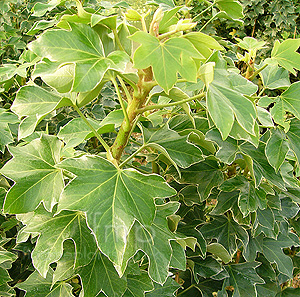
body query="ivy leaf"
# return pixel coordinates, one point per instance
(225, 104)
(274, 77)
(34, 103)
(278, 114)
(293, 136)
(205, 174)
(264, 117)
(227, 149)
(207, 267)
(36, 178)
(5, 132)
(37, 286)
(168, 289)
(272, 249)
(285, 54)
(154, 240)
(277, 148)
(243, 278)
(226, 231)
(173, 146)
(100, 275)
(289, 292)
(112, 198)
(53, 231)
(137, 285)
(261, 166)
(82, 46)
(291, 100)
(4, 276)
(6, 256)
(166, 58)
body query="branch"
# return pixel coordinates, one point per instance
(129, 98)
(257, 72)
(159, 106)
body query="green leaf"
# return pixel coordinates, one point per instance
(83, 47)
(274, 77)
(5, 132)
(279, 115)
(34, 103)
(4, 276)
(232, 8)
(291, 99)
(168, 289)
(226, 231)
(225, 104)
(6, 256)
(137, 285)
(204, 43)
(277, 148)
(264, 117)
(166, 58)
(243, 278)
(37, 286)
(293, 136)
(112, 198)
(66, 264)
(285, 54)
(154, 240)
(289, 292)
(173, 146)
(254, 246)
(36, 178)
(207, 267)
(206, 73)
(100, 275)
(250, 43)
(53, 231)
(178, 259)
(218, 250)
(268, 289)
(261, 166)
(227, 149)
(272, 249)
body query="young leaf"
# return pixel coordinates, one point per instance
(232, 8)
(291, 99)
(166, 58)
(274, 77)
(112, 199)
(36, 178)
(285, 54)
(243, 278)
(53, 231)
(83, 47)
(293, 136)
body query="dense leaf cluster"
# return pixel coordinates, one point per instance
(141, 158)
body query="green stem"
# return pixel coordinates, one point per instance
(132, 155)
(185, 290)
(165, 35)
(210, 20)
(129, 99)
(261, 92)
(257, 72)
(204, 11)
(118, 40)
(144, 24)
(121, 101)
(65, 173)
(159, 106)
(130, 82)
(104, 144)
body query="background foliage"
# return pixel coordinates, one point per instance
(180, 179)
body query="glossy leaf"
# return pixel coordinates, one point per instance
(34, 103)
(82, 46)
(36, 178)
(168, 289)
(173, 146)
(291, 99)
(112, 198)
(275, 77)
(5, 132)
(293, 136)
(53, 231)
(166, 58)
(137, 285)
(285, 54)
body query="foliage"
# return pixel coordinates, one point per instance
(138, 159)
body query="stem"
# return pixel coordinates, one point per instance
(187, 289)
(257, 72)
(165, 35)
(121, 101)
(144, 24)
(132, 156)
(104, 144)
(261, 92)
(202, 12)
(129, 99)
(129, 81)
(118, 40)
(159, 106)
(210, 20)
